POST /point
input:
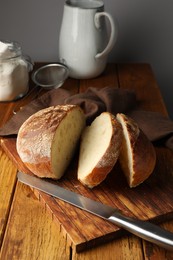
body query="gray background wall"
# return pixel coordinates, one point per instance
(145, 33)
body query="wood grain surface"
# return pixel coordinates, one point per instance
(150, 201)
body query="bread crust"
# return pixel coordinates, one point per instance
(145, 163)
(108, 160)
(35, 138)
(142, 151)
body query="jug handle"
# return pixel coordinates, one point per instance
(113, 33)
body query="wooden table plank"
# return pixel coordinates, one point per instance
(7, 186)
(126, 248)
(108, 78)
(140, 78)
(154, 252)
(31, 233)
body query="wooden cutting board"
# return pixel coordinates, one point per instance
(152, 200)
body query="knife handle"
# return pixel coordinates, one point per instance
(144, 229)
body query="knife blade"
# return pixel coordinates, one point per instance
(140, 228)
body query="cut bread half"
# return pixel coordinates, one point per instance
(137, 157)
(47, 140)
(99, 149)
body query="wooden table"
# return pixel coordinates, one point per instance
(28, 231)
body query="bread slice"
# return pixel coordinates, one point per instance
(47, 140)
(99, 149)
(137, 156)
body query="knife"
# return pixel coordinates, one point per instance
(142, 229)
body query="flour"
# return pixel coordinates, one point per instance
(5, 50)
(13, 72)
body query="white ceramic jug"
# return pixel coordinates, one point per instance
(83, 42)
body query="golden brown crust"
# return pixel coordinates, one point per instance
(108, 160)
(96, 176)
(42, 169)
(144, 160)
(140, 162)
(35, 138)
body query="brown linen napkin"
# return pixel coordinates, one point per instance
(94, 101)
(48, 99)
(157, 127)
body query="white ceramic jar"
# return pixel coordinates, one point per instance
(83, 42)
(14, 71)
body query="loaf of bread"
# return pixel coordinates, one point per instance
(137, 156)
(99, 149)
(47, 140)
